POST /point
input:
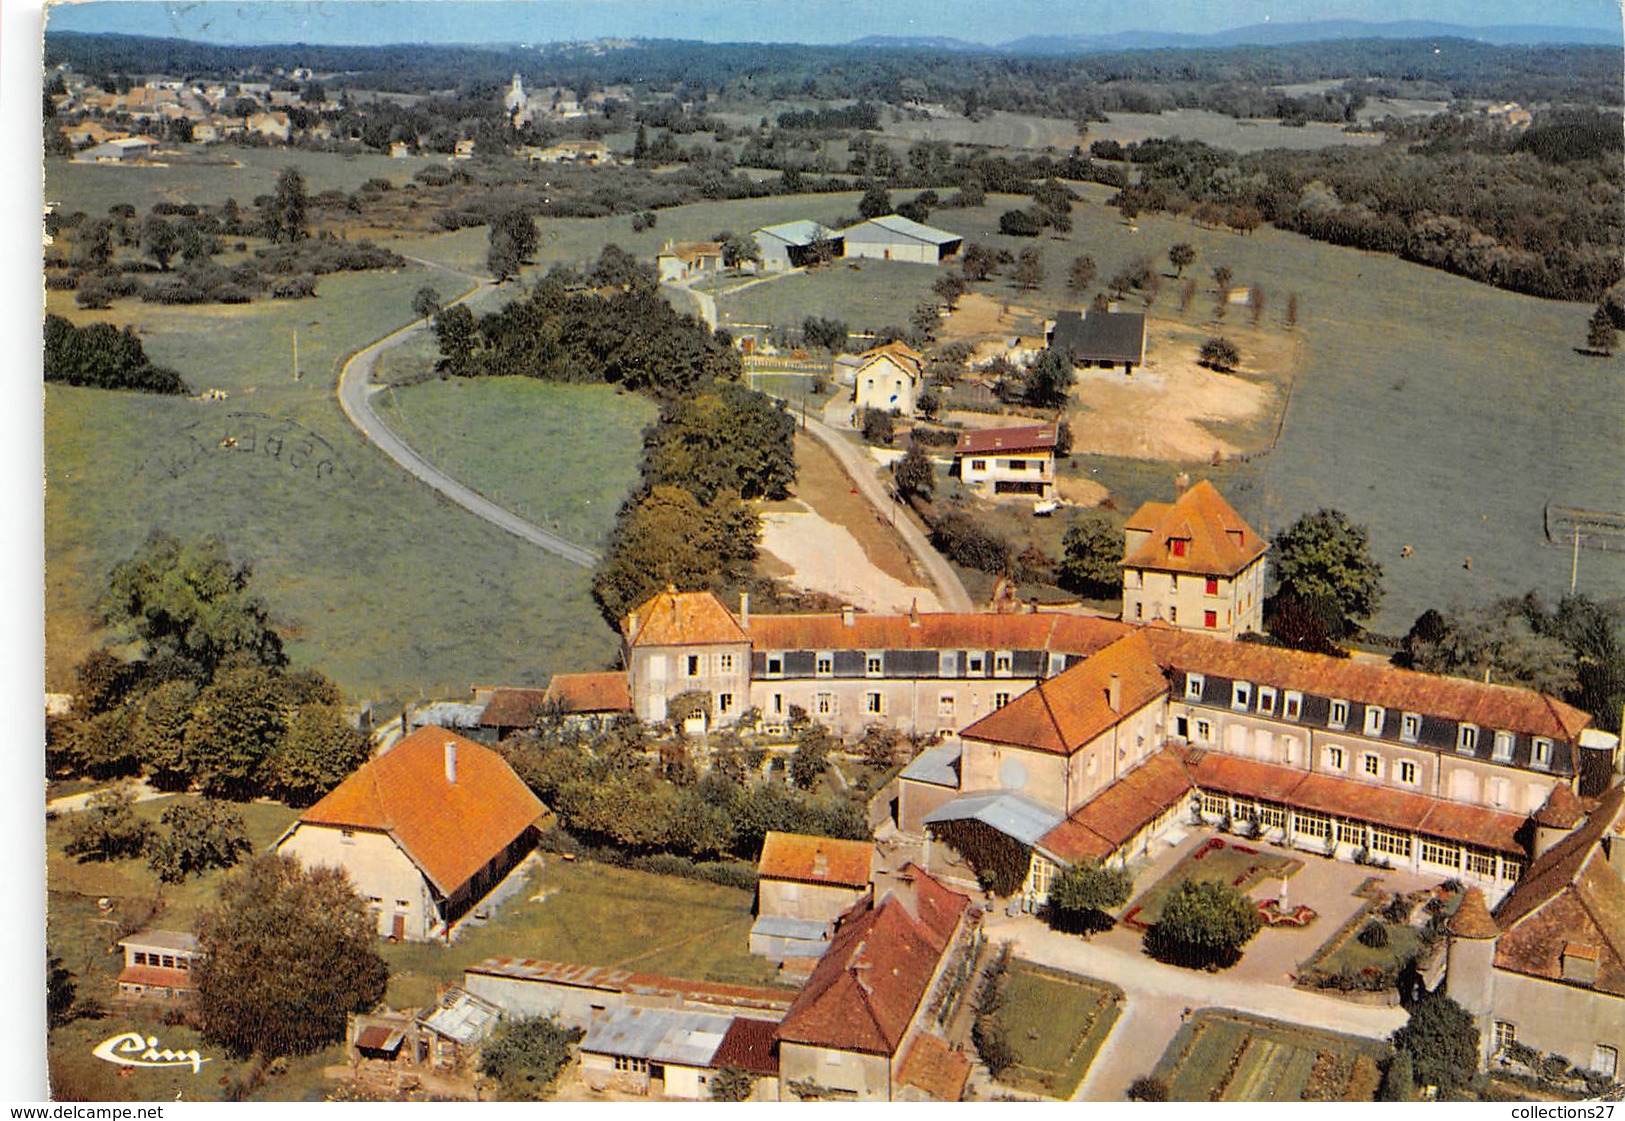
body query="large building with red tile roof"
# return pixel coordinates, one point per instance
(1546, 969)
(685, 642)
(868, 1002)
(424, 830)
(1194, 564)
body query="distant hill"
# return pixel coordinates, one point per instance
(918, 43)
(1275, 34)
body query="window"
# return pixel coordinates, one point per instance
(1351, 833)
(1266, 701)
(1001, 663)
(1210, 619)
(1605, 1060)
(725, 663)
(824, 665)
(1271, 816)
(1018, 465)
(403, 903)
(945, 705)
(1176, 546)
(1334, 758)
(973, 665)
(778, 704)
(1339, 717)
(1193, 686)
(694, 665)
(775, 665)
(1173, 614)
(1500, 791)
(1407, 772)
(347, 836)
(1292, 706)
(1506, 1034)
(1374, 716)
(872, 665)
(824, 704)
(1481, 863)
(1541, 756)
(1441, 853)
(725, 702)
(1057, 664)
(140, 957)
(1139, 611)
(1204, 731)
(636, 1066)
(1241, 695)
(1410, 727)
(1372, 765)
(1511, 870)
(1466, 738)
(871, 703)
(948, 663)
(169, 961)
(1212, 586)
(1389, 842)
(1218, 804)
(978, 465)
(1312, 824)
(1000, 699)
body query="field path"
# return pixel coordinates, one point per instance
(355, 398)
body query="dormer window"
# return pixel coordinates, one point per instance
(1176, 546)
(1410, 727)
(775, 665)
(1241, 696)
(1339, 715)
(1193, 686)
(1373, 720)
(1266, 701)
(872, 665)
(1467, 738)
(1541, 755)
(1503, 746)
(948, 663)
(1238, 537)
(1292, 706)
(824, 664)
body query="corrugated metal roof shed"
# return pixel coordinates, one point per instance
(938, 766)
(658, 1035)
(1010, 814)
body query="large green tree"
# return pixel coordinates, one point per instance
(286, 220)
(237, 725)
(1048, 382)
(1092, 557)
(318, 752)
(199, 834)
(108, 828)
(288, 952)
(1442, 1042)
(1203, 923)
(1323, 557)
(524, 1056)
(728, 439)
(670, 537)
(1081, 896)
(513, 238)
(913, 475)
(191, 607)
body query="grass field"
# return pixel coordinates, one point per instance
(1057, 1023)
(1221, 1055)
(209, 174)
(1240, 866)
(561, 456)
(595, 914)
(865, 295)
(1226, 132)
(375, 580)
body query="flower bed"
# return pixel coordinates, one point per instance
(1217, 859)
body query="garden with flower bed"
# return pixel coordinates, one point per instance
(1220, 1055)
(1225, 861)
(1056, 1023)
(1388, 933)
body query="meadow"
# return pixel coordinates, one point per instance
(1221, 1055)
(560, 456)
(1057, 1023)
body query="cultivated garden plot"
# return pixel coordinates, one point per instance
(1220, 1055)
(1057, 1023)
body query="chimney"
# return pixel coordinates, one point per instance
(744, 610)
(848, 614)
(1114, 693)
(451, 762)
(914, 612)
(1182, 483)
(632, 627)
(898, 884)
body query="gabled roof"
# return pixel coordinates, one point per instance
(1218, 541)
(1016, 817)
(902, 354)
(801, 232)
(816, 860)
(1100, 336)
(690, 251)
(449, 830)
(589, 692)
(904, 228)
(661, 1035)
(937, 766)
(1455, 698)
(1017, 438)
(673, 618)
(866, 988)
(1112, 818)
(1560, 867)
(751, 1046)
(933, 1068)
(513, 708)
(1065, 712)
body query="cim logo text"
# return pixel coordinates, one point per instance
(132, 1049)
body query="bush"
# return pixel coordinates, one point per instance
(963, 540)
(1220, 353)
(1374, 935)
(294, 288)
(1020, 223)
(108, 828)
(878, 426)
(1147, 1089)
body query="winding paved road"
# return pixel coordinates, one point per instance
(355, 398)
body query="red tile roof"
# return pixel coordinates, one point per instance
(904, 355)
(156, 977)
(1569, 894)
(1218, 541)
(1065, 712)
(1363, 801)
(1562, 810)
(589, 692)
(1020, 438)
(512, 708)
(1472, 918)
(1488, 706)
(673, 618)
(974, 631)
(931, 1065)
(450, 831)
(1112, 818)
(869, 983)
(611, 980)
(749, 1045)
(816, 860)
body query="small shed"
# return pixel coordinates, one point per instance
(794, 245)
(635, 1048)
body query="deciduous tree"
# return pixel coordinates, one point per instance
(1029, 272)
(1081, 274)
(524, 1056)
(1220, 353)
(286, 218)
(1601, 335)
(108, 828)
(199, 835)
(1442, 1042)
(1203, 922)
(1181, 255)
(1092, 555)
(1048, 382)
(1323, 556)
(913, 474)
(1081, 896)
(426, 302)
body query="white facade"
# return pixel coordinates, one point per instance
(395, 890)
(1217, 605)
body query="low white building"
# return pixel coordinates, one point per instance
(888, 378)
(895, 238)
(1018, 460)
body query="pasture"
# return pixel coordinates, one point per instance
(560, 456)
(1220, 1055)
(1057, 1023)
(595, 914)
(1221, 131)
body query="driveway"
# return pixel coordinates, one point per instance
(355, 398)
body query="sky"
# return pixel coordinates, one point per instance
(808, 21)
